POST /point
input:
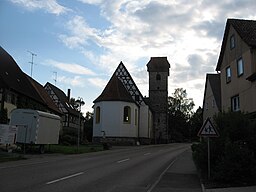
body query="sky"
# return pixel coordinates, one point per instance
(79, 43)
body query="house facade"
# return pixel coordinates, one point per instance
(70, 117)
(237, 70)
(237, 66)
(18, 90)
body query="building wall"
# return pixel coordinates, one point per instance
(146, 122)
(158, 95)
(114, 127)
(209, 107)
(238, 85)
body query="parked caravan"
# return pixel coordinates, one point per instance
(36, 127)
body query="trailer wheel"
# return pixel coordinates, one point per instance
(41, 149)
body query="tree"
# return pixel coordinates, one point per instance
(180, 110)
(196, 122)
(88, 126)
(180, 103)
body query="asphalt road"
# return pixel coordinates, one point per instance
(117, 170)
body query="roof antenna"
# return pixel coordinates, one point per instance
(32, 62)
(55, 77)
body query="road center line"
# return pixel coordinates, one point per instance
(147, 154)
(121, 161)
(64, 178)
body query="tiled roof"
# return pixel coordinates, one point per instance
(63, 99)
(160, 64)
(13, 78)
(214, 81)
(246, 30)
(114, 91)
(44, 95)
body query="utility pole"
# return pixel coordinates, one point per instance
(32, 62)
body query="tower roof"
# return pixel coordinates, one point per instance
(121, 87)
(114, 91)
(158, 64)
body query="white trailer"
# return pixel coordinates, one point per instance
(36, 127)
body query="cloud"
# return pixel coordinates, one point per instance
(71, 67)
(50, 6)
(98, 82)
(76, 81)
(189, 33)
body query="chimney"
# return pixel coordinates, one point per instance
(69, 95)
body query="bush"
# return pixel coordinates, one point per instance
(237, 166)
(233, 160)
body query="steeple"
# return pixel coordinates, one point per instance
(158, 68)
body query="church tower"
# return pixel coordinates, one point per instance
(158, 68)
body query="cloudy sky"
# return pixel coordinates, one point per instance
(79, 43)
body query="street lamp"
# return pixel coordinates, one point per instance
(80, 102)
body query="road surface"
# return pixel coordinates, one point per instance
(117, 170)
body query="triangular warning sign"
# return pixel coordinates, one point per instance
(208, 130)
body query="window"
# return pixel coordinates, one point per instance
(158, 77)
(240, 67)
(127, 114)
(235, 103)
(98, 115)
(232, 42)
(228, 74)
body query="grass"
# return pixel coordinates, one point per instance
(4, 157)
(63, 149)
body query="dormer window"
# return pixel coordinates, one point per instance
(232, 42)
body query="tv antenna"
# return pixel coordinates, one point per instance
(32, 62)
(55, 77)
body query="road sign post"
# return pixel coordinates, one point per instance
(208, 130)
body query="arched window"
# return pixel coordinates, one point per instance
(158, 77)
(97, 114)
(127, 114)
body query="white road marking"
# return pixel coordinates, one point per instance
(64, 178)
(121, 161)
(147, 153)
(159, 178)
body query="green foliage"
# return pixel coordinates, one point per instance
(236, 166)
(233, 160)
(180, 103)
(88, 126)
(196, 122)
(179, 113)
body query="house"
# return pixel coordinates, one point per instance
(237, 66)
(212, 96)
(17, 90)
(70, 117)
(123, 116)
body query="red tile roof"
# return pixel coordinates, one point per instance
(114, 91)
